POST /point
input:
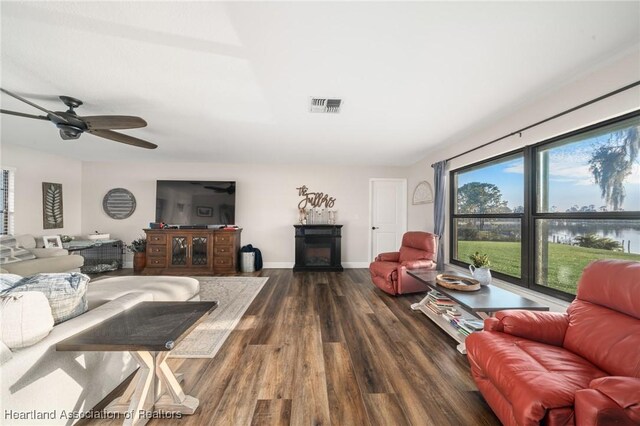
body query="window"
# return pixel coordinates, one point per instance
(489, 202)
(7, 196)
(585, 184)
(544, 212)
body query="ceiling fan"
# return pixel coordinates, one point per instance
(231, 189)
(72, 125)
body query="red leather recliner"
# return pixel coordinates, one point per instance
(389, 270)
(577, 368)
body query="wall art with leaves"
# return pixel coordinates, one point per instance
(52, 213)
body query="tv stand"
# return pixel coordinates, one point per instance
(192, 251)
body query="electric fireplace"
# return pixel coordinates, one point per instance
(318, 248)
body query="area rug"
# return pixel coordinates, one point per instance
(234, 295)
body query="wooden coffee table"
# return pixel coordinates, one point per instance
(480, 303)
(149, 331)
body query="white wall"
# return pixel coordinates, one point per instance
(266, 200)
(608, 78)
(420, 215)
(33, 168)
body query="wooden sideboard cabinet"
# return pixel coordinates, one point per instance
(192, 251)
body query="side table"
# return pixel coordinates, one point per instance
(149, 331)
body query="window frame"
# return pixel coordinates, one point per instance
(531, 215)
(11, 197)
(453, 200)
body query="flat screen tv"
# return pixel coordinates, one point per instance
(188, 202)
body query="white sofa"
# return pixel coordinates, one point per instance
(40, 378)
(47, 259)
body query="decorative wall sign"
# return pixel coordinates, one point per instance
(52, 211)
(119, 203)
(423, 193)
(314, 199)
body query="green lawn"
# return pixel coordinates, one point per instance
(565, 262)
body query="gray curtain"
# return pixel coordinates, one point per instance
(440, 175)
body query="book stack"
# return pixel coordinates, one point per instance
(452, 314)
(439, 303)
(466, 326)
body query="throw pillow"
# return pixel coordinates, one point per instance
(25, 318)
(66, 292)
(5, 353)
(7, 281)
(10, 252)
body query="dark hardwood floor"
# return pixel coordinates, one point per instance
(330, 348)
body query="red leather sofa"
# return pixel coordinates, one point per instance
(577, 368)
(389, 270)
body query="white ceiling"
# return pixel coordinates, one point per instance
(230, 82)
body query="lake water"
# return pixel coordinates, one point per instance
(629, 235)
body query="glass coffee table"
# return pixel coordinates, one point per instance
(480, 304)
(149, 331)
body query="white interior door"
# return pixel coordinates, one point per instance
(388, 214)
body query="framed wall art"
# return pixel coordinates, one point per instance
(52, 209)
(52, 241)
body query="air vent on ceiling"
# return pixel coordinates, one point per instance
(325, 105)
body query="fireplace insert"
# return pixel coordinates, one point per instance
(318, 248)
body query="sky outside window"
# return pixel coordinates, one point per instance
(572, 184)
(507, 174)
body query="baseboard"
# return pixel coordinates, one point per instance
(282, 265)
(278, 265)
(355, 265)
(289, 265)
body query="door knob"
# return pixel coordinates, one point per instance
(374, 227)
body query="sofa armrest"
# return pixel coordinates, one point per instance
(543, 327)
(624, 391)
(392, 256)
(609, 400)
(48, 252)
(416, 264)
(492, 324)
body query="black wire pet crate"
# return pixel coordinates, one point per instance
(102, 256)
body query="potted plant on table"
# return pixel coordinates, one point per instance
(139, 249)
(480, 268)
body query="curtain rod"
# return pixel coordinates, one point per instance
(553, 117)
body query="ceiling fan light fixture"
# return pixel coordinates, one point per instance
(68, 132)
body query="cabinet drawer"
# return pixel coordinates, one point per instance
(223, 249)
(156, 262)
(159, 250)
(157, 239)
(223, 261)
(223, 238)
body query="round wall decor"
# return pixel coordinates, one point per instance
(119, 203)
(423, 193)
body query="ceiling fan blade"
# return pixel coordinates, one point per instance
(107, 122)
(22, 114)
(20, 98)
(122, 138)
